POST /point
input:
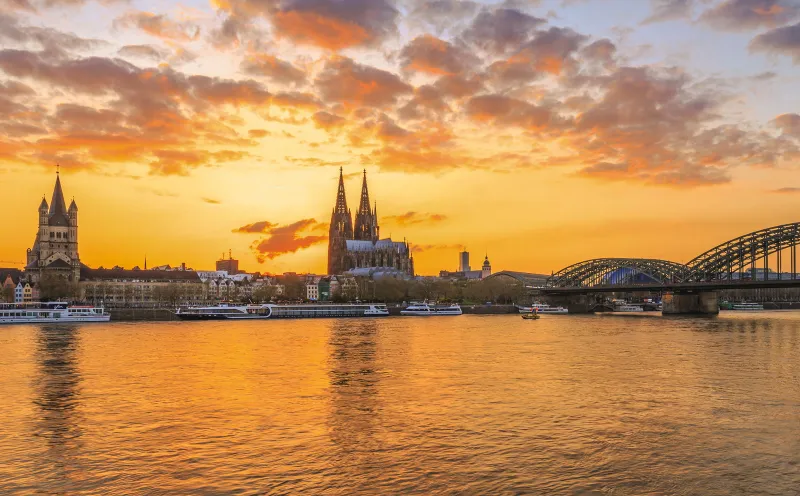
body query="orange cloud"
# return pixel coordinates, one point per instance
(282, 240)
(411, 218)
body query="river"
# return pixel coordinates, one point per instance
(441, 405)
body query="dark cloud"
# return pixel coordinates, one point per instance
(52, 41)
(211, 201)
(459, 87)
(328, 121)
(506, 111)
(789, 124)
(158, 25)
(739, 15)
(152, 52)
(780, 41)
(501, 30)
(331, 24)
(349, 83)
(274, 69)
(786, 191)
(263, 226)
(441, 15)
(432, 55)
(282, 240)
(669, 10)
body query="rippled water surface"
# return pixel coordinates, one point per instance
(453, 405)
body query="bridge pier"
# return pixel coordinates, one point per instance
(699, 303)
(574, 303)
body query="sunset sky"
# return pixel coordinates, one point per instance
(542, 132)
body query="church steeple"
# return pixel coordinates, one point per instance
(363, 208)
(341, 230)
(58, 207)
(366, 227)
(341, 199)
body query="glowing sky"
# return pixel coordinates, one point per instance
(544, 132)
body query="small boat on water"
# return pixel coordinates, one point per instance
(424, 309)
(50, 313)
(531, 316)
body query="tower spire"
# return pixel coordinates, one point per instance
(58, 207)
(341, 199)
(363, 208)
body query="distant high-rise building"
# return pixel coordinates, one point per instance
(230, 264)
(463, 261)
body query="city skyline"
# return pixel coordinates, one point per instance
(545, 134)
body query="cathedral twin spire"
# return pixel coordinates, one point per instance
(366, 220)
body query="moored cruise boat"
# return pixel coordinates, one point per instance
(543, 308)
(425, 309)
(623, 306)
(747, 307)
(49, 313)
(272, 311)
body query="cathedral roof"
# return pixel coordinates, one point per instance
(58, 264)
(58, 208)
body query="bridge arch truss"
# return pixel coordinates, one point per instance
(742, 257)
(617, 271)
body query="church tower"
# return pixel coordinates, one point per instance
(55, 249)
(341, 230)
(486, 269)
(366, 219)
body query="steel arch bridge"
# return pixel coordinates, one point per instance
(617, 271)
(739, 258)
(735, 263)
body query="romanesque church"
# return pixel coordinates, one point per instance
(55, 249)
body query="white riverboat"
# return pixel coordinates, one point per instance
(273, 311)
(623, 306)
(50, 313)
(748, 307)
(426, 309)
(543, 308)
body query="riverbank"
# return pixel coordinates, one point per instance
(165, 315)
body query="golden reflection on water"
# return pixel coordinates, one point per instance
(475, 405)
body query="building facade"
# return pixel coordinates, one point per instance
(357, 247)
(229, 265)
(55, 250)
(463, 261)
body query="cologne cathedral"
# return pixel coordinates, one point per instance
(360, 247)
